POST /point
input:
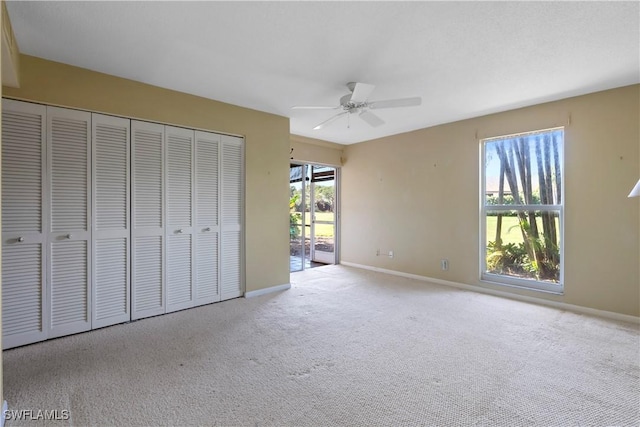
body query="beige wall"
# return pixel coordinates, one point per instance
(10, 52)
(266, 150)
(418, 194)
(309, 150)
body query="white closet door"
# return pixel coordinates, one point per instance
(207, 230)
(148, 251)
(111, 268)
(231, 248)
(69, 176)
(23, 223)
(179, 230)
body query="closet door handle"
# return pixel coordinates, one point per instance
(180, 231)
(68, 236)
(207, 229)
(20, 239)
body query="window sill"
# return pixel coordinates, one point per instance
(528, 285)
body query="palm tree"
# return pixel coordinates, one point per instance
(516, 167)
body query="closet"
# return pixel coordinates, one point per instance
(68, 225)
(111, 224)
(107, 219)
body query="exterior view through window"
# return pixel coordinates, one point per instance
(522, 210)
(313, 212)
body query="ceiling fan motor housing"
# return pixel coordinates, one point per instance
(358, 102)
(347, 105)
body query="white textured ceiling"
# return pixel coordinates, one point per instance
(464, 59)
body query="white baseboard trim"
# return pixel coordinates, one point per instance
(556, 304)
(265, 291)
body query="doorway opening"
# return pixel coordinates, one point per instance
(313, 211)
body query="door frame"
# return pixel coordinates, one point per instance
(331, 257)
(308, 220)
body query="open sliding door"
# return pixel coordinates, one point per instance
(323, 214)
(313, 215)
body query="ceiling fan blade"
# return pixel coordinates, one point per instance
(361, 92)
(310, 107)
(394, 103)
(371, 118)
(330, 120)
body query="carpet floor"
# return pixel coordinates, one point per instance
(343, 347)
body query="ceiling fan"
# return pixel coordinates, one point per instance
(357, 102)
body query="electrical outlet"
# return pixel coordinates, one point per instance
(390, 254)
(444, 264)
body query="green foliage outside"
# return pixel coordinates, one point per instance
(507, 199)
(529, 174)
(324, 197)
(295, 215)
(294, 218)
(324, 230)
(511, 257)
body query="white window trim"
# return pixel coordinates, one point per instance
(503, 280)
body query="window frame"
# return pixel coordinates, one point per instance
(510, 281)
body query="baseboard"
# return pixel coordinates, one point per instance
(265, 291)
(556, 304)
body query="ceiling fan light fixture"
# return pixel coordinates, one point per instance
(358, 102)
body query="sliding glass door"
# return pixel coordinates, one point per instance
(323, 214)
(299, 250)
(312, 215)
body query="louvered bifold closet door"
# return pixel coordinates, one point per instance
(180, 196)
(111, 268)
(69, 176)
(231, 248)
(147, 199)
(23, 237)
(207, 232)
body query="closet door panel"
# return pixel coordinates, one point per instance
(179, 236)
(232, 162)
(207, 275)
(179, 256)
(148, 295)
(207, 230)
(148, 218)
(111, 282)
(231, 282)
(111, 231)
(24, 318)
(69, 185)
(69, 287)
(22, 293)
(232, 181)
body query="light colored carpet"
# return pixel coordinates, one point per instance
(342, 347)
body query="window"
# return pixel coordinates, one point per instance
(522, 210)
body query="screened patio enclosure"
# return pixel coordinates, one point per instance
(312, 215)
